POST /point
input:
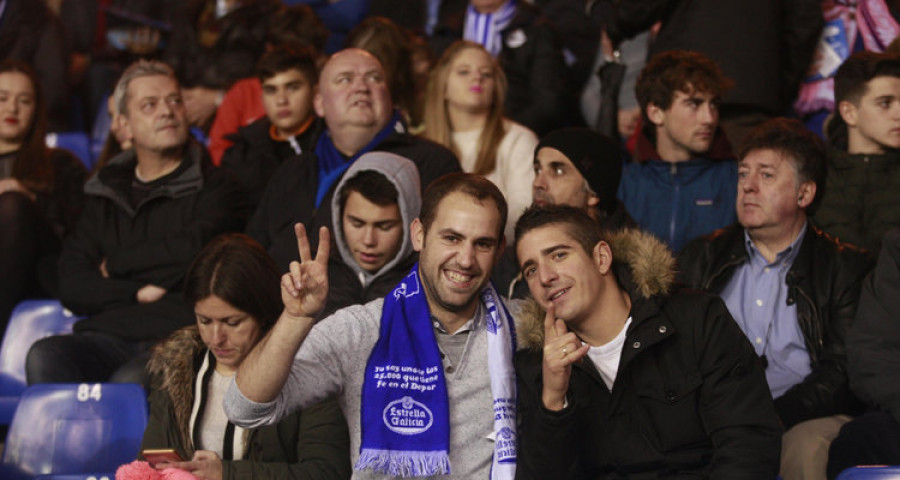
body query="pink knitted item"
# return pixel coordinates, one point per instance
(139, 470)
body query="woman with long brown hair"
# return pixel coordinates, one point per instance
(464, 112)
(40, 190)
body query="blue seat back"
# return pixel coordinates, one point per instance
(76, 142)
(874, 472)
(76, 428)
(31, 321)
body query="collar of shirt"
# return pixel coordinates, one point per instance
(784, 259)
(469, 326)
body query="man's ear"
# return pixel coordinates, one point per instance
(125, 125)
(602, 256)
(656, 115)
(417, 234)
(807, 194)
(319, 103)
(593, 200)
(848, 112)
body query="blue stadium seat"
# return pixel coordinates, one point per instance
(67, 428)
(31, 321)
(76, 142)
(870, 472)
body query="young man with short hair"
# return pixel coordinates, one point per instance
(681, 182)
(374, 204)
(288, 79)
(424, 375)
(861, 191)
(626, 378)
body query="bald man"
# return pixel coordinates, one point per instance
(354, 101)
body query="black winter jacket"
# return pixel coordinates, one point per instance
(824, 282)
(153, 243)
(690, 398)
(290, 196)
(783, 35)
(255, 156)
(873, 341)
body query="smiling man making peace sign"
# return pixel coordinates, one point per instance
(424, 376)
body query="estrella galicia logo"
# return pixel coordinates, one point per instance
(407, 417)
(408, 287)
(505, 447)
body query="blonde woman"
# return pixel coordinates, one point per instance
(464, 112)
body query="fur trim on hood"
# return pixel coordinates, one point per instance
(171, 368)
(643, 265)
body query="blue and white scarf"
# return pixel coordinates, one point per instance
(405, 413)
(332, 163)
(486, 28)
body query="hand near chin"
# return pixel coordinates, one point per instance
(305, 288)
(561, 349)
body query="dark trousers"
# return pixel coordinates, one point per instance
(25, 238)
(870, 439)
(86, 357)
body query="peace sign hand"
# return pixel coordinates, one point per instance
(305, 288)
(561, 349)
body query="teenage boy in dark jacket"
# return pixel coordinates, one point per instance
(288, 79)
(792, 289)
(625, 378)
(862, 199)
(147, 214)
(373, 206)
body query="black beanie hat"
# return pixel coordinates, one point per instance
(598, 158)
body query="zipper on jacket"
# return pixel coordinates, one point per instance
(673, 171)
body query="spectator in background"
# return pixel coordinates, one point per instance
(862, 200)
(354, 101)
(288, 78)
(232, 286)
(869, 25)
(374, 205)
(40, 191)
(295, 27)
(528, 51)
(147, 214)
(464, 112)
(681, 182)
(873, 351)
(338, 16)
(578, 167)
(765, 46)
(792, 289)
(392, 46)
(214, 44)
(31, 33)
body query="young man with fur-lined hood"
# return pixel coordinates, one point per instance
(626, 378)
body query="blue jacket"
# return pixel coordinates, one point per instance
(678, 202)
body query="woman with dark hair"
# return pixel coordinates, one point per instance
(40, 190)
(234, 288)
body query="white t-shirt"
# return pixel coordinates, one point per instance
(606, 357)
(212, 431)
